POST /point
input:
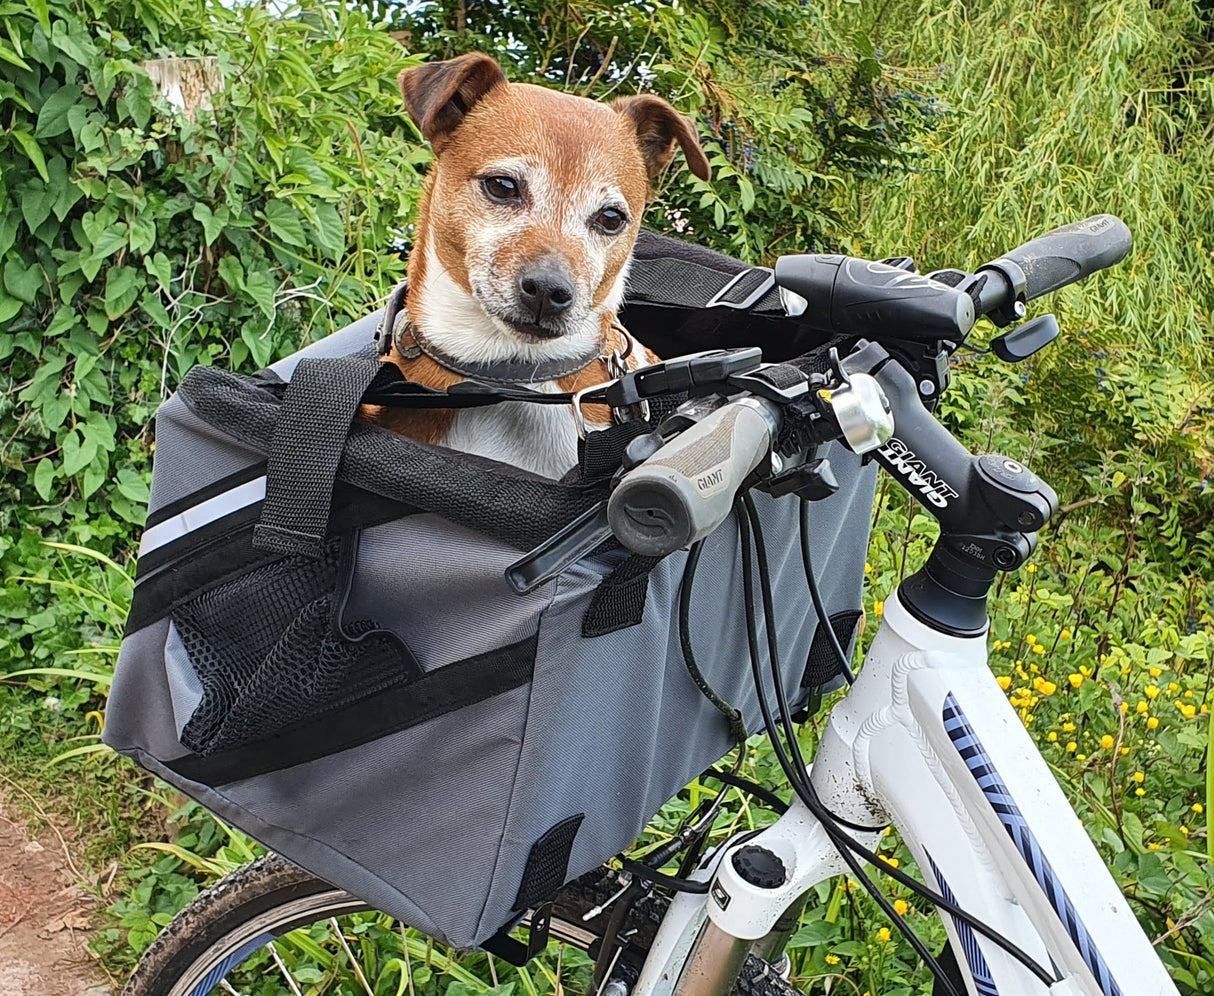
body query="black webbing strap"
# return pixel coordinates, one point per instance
(674, 274)
(308, 441)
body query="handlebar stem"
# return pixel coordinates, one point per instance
(989, 507)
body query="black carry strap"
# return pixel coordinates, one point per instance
(307, 445)
(670, 273)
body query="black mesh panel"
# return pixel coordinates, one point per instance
(269, 655)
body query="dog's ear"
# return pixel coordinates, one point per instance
(438, 95)
(658, 127)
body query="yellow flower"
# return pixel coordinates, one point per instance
(1188, 695)
(1173, 687)
(892, 862)
(1004, 681)
(1185, 831)
(1071, 745)
(1139, 777)
(1039, 648)
(1065, 634)
(901, 907)
(1152, 846)
(883, 935)
(879, 608)
(1188, 711)
(868, 569)
(1198, 807)
(1107, 741)
(1068, 727)
(1142, 706)
(1035, 668)
(1123, 706)
(832, 959)
(1053, 737)
(1075, 679)
(1152, 723)
(1124, 752)
(1031, 569)
(1154, 672)
(1081, 757)
(1140, 792)
(1030, 639)
(1151, 691)
(1044, 686)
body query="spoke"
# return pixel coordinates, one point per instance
(226, 986)
(358, 972)
(283, 968)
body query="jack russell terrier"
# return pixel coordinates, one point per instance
(523, 238)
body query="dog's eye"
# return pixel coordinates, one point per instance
(502, 188)
(610, 220)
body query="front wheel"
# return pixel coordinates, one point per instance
(271, 929)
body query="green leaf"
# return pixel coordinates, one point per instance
(143, 233)
(232, 272)
(9, 56)
(39, 7)
(8, 231)
(21, 281)
(77, 453)
(105, 233)
(158, 266)
(212, 222)
(44, 478)
(29, 145)
(122, 286)
(53, 115)
(284, 222)
(75, 45)
(260, 287)
(9, 306)
(330, 232)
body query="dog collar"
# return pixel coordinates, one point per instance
(396, 324)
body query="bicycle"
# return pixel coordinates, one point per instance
(924, 740)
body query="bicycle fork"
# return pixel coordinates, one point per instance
(926, 740)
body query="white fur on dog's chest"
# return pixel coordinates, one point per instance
(538, 438)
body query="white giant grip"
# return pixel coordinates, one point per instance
(685, 490)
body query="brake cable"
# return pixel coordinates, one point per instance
(798, 774)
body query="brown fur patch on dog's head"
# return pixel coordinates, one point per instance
(531, 187)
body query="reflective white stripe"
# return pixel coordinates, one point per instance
(203, 513)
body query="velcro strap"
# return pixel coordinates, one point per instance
(317, 409)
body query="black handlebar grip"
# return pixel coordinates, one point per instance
(1070, 253)
(687, 488)
(853, 296)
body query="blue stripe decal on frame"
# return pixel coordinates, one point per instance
(980, 971)
(217, 974)
(979, 763)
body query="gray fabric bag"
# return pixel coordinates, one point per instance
(370, 699)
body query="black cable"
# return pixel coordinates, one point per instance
(758, 791)
(798, 775)
(823, 619)
(737, 723)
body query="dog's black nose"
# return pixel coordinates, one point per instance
(545, 289)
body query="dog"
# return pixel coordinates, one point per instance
(524, 234)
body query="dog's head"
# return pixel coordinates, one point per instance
(531, 209)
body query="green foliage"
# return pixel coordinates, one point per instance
(785, 120)
(1060, 112)
(137, 241)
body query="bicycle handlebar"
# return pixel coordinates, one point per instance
(850, 296)
(1069, 253)
(685, 490)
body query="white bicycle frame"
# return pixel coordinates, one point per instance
(926, 740)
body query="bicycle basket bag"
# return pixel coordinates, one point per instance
(323, 650)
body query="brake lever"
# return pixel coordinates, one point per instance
(560, 551)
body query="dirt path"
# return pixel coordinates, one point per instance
(44, 918)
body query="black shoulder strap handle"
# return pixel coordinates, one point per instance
(319, 405)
